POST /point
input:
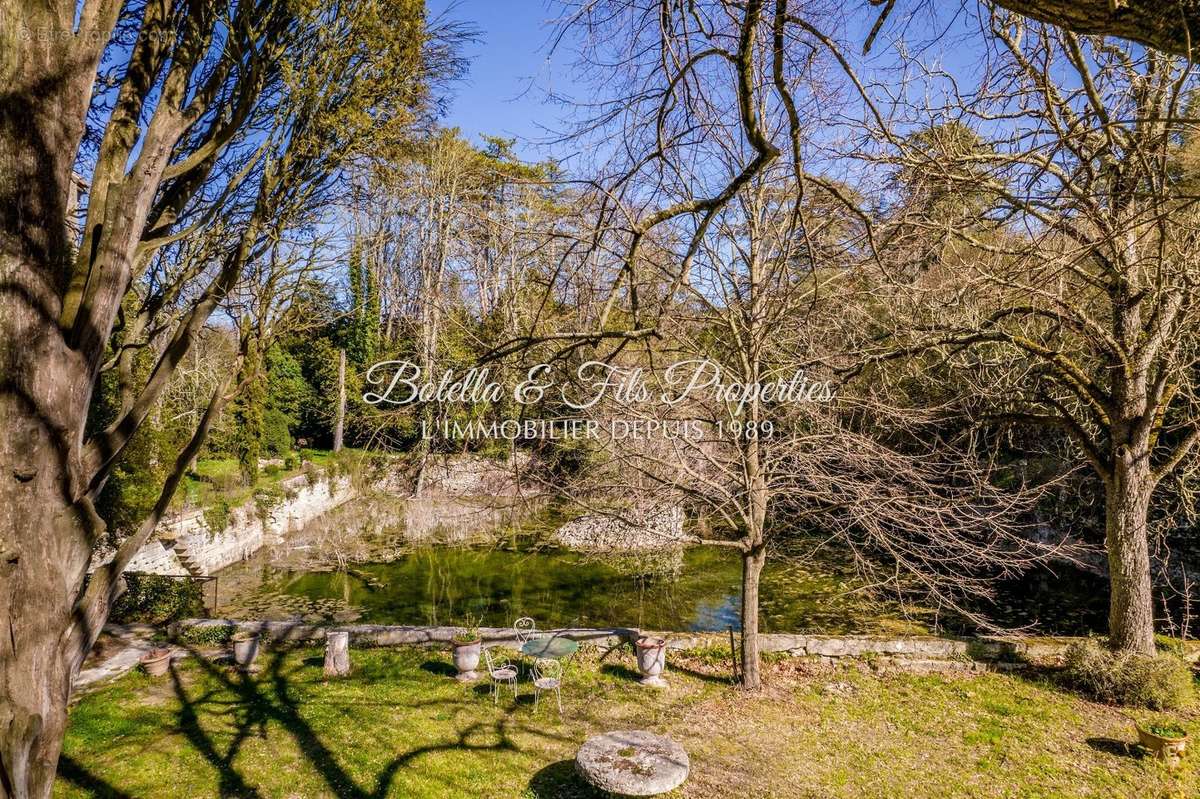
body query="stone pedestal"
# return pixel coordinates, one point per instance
(337, 654)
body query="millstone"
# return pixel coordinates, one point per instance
(632, 763)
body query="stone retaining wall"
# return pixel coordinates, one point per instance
(204, 551)
(475, 475)
(157, 557)
(184, 543)
(650, 529)
(920, 652)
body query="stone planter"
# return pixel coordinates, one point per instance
(156, 661)
(245, 649)
(466, 658)
(652, 660)
(1167, 749)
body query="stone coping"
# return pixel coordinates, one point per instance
(985, 649)
(396, 635)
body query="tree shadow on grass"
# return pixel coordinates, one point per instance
(439, 667)
(623, 672)
(620, 671)
(561, 781)
(266, 698)
(247, 715)
(77, 775)
(703, 676)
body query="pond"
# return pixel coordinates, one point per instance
(499, 572)
(446, 584)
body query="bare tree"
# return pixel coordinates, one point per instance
(742, 427)
(1066, 298)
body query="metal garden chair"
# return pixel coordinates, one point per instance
(547, 676)
(504, 672)
(524, 628)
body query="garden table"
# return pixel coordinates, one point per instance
(551, 647)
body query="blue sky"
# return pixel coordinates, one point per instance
(505, 90)
(510, 72)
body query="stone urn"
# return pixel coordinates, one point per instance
(156, 661)
(652, 660)
(245, 649)
(1166, 747)
(465, 652)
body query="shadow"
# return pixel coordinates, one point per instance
(247, 716)
(315, 660)
(483, 692)
(439, 667)
(1007, 654)
(703, 676)
(561, 781)
(623, 672)
(80, 777)
(620, 671)
(1112, 746)
(265, 697)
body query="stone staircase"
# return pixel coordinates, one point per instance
(186, 559)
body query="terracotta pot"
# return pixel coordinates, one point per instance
(156, 661)
(245, 649)
(466, 658)
(1168, 749)
(652, 660)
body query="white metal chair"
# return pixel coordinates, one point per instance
(524, 628)
(500, 673)
(547, 676)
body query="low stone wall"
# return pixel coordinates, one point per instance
(394, 635)
(913, 652)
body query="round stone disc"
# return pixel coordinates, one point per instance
(632, 763)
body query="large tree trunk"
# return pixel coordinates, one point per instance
(1131, 605)
(47, 525)
(752, 566)
(46, 532)
(44, 561)
(46, 536)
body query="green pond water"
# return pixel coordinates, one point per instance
(373, 560)
(446, 584)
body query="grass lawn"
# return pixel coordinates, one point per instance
(402, 727)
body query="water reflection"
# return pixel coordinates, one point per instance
(434, 561)
(441, 585)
